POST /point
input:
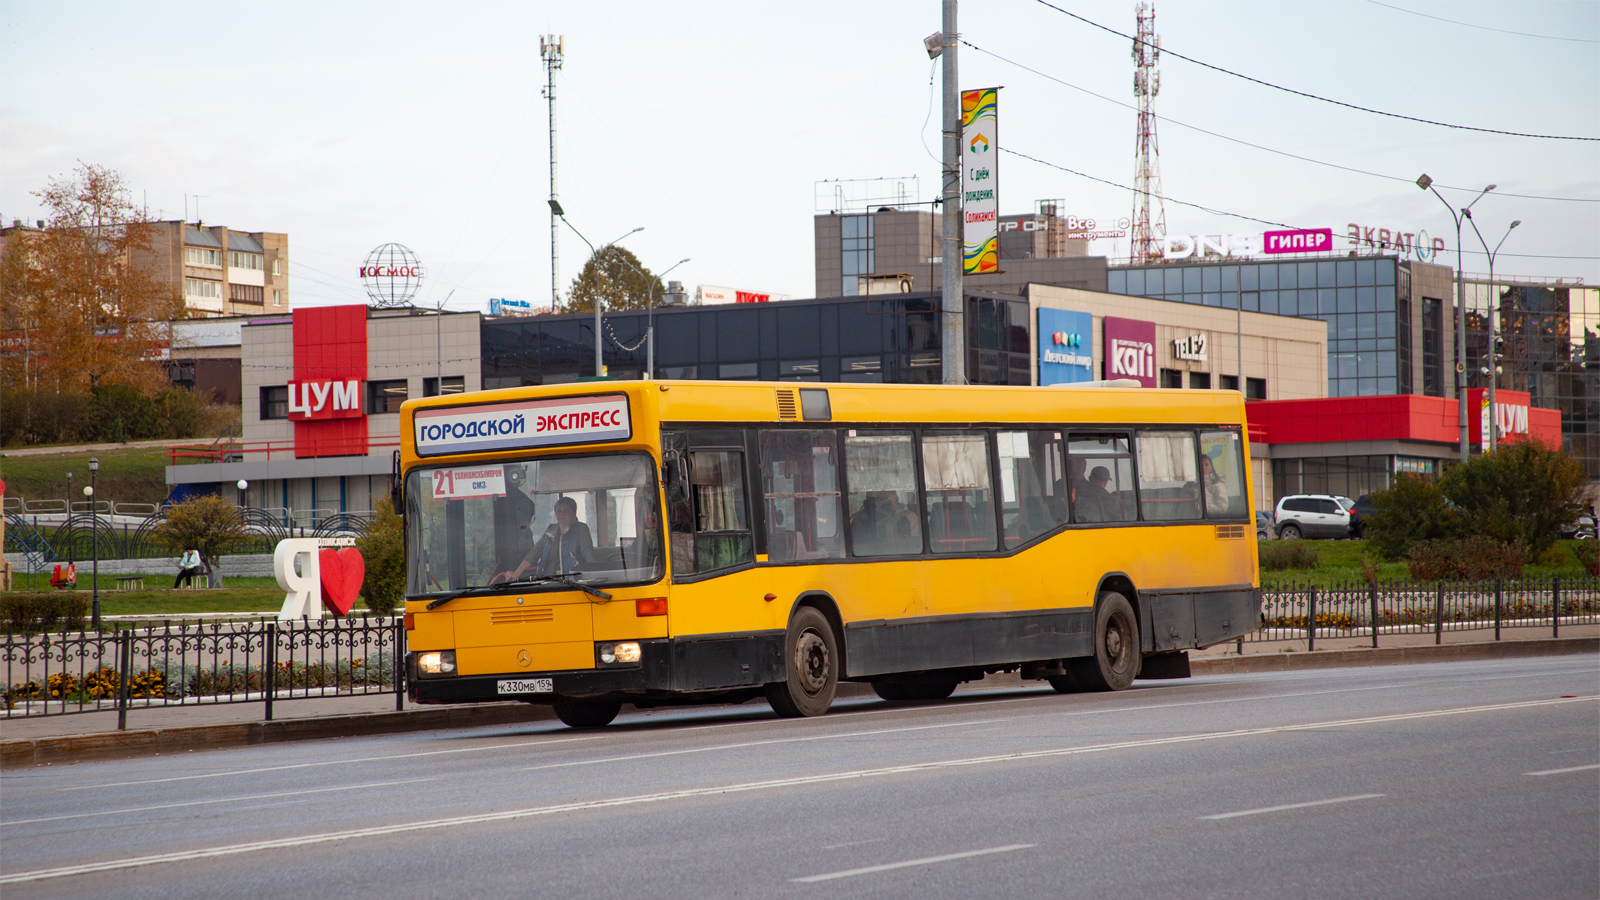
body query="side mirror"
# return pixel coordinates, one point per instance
(396, 493)
(670, 461)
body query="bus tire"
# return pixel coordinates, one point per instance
(892, 691)
(586, 713)
(811, 660)
(1116, 647)
(931, 689)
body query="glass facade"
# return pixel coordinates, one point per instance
(857, 252)
(1359, 300)
(1343, 476)
(884, 338)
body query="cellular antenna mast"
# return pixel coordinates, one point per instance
(553, 49)
(1147, 232)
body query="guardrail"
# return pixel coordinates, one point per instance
(240, 451)
(177, 664)
(1359, 609)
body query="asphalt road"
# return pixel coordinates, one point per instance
(1458, 780)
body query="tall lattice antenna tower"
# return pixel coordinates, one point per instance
(1147, 232)
(553, 49)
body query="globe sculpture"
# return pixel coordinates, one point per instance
(392, 274)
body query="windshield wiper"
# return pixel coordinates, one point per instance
(506, 586)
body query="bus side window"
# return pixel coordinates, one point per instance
(1100, 478)
(1222, 474)
(800, 484)
(955, 475)
(1169, 483)
(1033, 485)
(880, 470)
(721, 518)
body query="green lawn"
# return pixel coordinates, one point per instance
(1340, 561)
(135, 475)
(159, 599)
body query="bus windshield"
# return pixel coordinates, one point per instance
(593, 517)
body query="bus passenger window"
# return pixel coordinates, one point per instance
(722, 524)
(1222, 477)
(955, 474)
(1169, 486)
(881, 471)
(800, 481)
(1100, 478)
(1033, 485)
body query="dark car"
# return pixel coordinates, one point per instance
(1360, 514)
(1264, 527)
(1582, 528)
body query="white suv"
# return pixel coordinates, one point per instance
(1312, 516)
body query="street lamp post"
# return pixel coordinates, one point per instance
(243, 486)
(1426, 184)
(555, 207)
(67, 522)
(1494, 326)
(650, 326)
(94, 467)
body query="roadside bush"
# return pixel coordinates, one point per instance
(1476, 558)
(113, 412)
(1276, 556)
(207, 523)
(1587, 553)
(41, 612)
(383, 550)
(1522, 493)
(1411, 511)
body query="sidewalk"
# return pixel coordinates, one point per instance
(69, 738)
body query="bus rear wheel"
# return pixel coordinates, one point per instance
(811, 657)
(915, 689)
(586, 713)
(1116, 648)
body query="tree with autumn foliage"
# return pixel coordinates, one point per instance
(77, 311)
(616, 276)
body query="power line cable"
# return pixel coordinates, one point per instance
(1246, 143)
(1547, 37)
(1232, 215)
(1310, 96)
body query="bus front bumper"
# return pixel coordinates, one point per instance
(665, 665)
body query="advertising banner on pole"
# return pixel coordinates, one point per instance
(980, 195)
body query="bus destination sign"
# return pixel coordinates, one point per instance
(529, 423)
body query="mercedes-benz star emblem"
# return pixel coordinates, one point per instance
(522, 658)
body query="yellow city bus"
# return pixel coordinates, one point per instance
(659, 542)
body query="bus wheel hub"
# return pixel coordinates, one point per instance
(812, 656)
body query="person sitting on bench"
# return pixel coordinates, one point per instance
(188, 567)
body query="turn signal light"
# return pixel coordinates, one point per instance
(411, 621)
(652, 606)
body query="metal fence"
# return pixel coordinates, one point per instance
(191, 663)
(1359, 609)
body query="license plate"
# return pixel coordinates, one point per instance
(526, 686)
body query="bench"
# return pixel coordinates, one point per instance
(130, 582)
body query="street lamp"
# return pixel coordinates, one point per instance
(94, 467)
(555, 207)
(1426, 184)
(1494, 326)
(67, 522)
(243, 485)
(650, 327)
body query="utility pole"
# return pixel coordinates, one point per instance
(952, 332)
(553, 50)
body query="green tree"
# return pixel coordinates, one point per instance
(616, 276)
(1521, 493)
(209, 524)
(383, 550)
(1411, 511)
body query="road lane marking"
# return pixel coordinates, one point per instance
(852, 843)
(1565, 771)
(745, 744)
(112, 812)
(1272, 809)
(927, 860)
(749, 786)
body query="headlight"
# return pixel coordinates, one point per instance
(437, 662)
(623, 653)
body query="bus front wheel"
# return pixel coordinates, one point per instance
(812, 662)
(586, 713)
(1116, 648)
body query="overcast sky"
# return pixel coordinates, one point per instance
(348, 125)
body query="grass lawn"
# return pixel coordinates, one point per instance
(135, 475)
(1340, 561)
(158, 599)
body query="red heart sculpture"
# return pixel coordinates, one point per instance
(343, 570)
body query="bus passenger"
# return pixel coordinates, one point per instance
(1095, 502)
(882, 525)
(565, 547)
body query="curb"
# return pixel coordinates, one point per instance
(27, 752)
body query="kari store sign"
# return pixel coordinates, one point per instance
(1130, 350)
(980, 190)
(1066, 346)
(511, 426)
